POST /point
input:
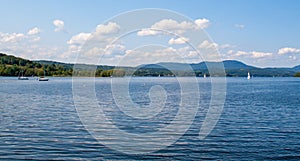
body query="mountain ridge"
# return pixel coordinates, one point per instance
(233, 68)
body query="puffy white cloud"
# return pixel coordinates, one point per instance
(79, 39)
(252, 54)
(242, 53)
(226, 46)
(35, 39)
(208, 45)
(240, 26)
(110, 28)
(75, 45)
(149, 54)
(172, 26)
(98, 44)
(202, 23)
(34, 31)
(11, 37)
(102, 32)
(180, 40)
(59, 25)
(22, 44)
(115, 49)
(30, 50)
(147, 32)
(211, 45)
(256, 54)
(108, 55)
(288, 50)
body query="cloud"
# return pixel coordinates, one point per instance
(288, 50)
(229, 52)
(171, 26)
(202, 23)
(115, 49)
(75, 45)
(256, 54)
(252, 54)
(34, 31)
(240, 26)
(226, 46)
(110, 28)
(102, 32)
(208, 45)
(28, 49)
(59, 25)
(103, 35)
(212, 45)
(241, 53)
(147, 32)
(79, 39)
(147, 56)
(180, 40)
(35, 39)
(143, 56)
(293, 57)
(11, 37)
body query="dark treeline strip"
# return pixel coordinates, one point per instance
(14, 66)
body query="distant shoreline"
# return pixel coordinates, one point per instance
(35, 77)
(14, 66)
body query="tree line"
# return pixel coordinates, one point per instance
(14, 66)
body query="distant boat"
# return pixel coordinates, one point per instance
(249, 77)
(21, 76)
(204, 76)
(43, 78)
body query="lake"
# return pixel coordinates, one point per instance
(260, 120)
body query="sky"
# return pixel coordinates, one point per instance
(263, 33)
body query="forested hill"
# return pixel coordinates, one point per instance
(232, 68)
(13, 66)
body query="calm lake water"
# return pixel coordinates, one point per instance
(260, 121)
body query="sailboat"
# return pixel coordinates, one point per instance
(204, 76)
(43, 78)
(21, 77)
(249, 77)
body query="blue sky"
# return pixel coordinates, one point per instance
(258, 32)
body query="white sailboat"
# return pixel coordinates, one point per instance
(21, 76)
(43, 78)
(204, 76)
(249, 77)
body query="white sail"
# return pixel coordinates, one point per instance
(43, 78)
(249, 77)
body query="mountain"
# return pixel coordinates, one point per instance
(296, 68)
(12, 66)
(232, 68)
(227, 64)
